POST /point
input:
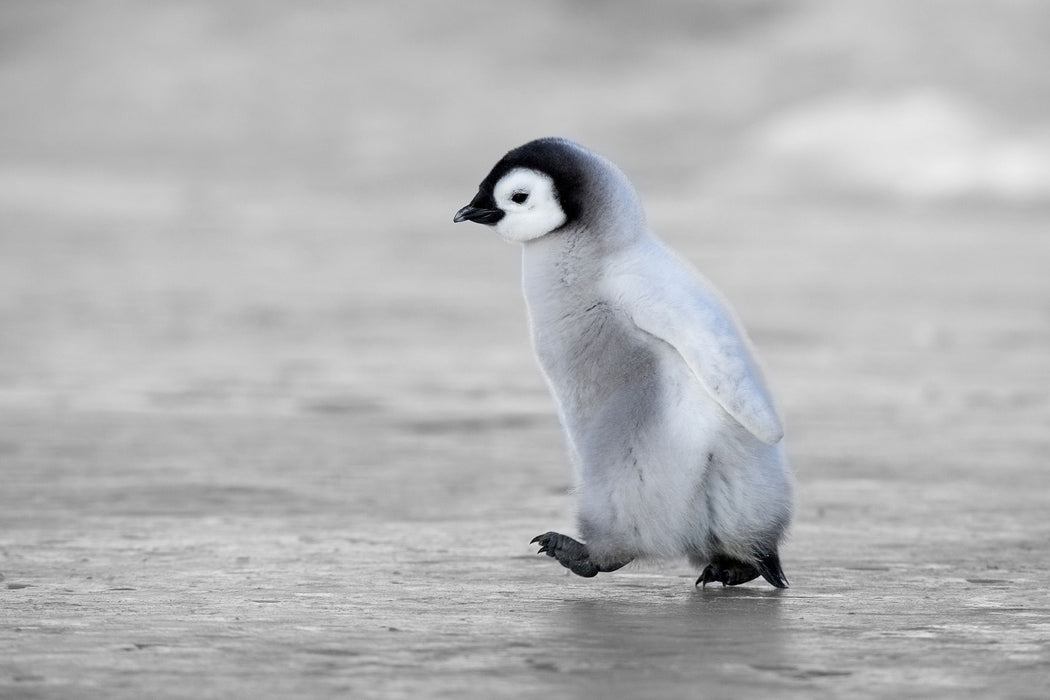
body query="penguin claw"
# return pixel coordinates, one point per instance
(571, 554)
(709, 575)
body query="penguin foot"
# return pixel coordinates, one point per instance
(573, 555)
(732, 572)
(727, 571)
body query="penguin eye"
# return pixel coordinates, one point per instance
(519, 197)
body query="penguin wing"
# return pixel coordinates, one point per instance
(692, 317)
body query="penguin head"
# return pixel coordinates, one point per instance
(534, 190)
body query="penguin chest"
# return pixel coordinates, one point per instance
(626, 398)
(606, 375)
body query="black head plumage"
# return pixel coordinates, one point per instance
(559, 158)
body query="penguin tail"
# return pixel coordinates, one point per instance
(769, 566)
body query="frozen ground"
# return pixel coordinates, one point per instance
(270, 427)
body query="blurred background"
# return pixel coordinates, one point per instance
(244, 208)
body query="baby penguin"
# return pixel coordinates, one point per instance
(673, 433)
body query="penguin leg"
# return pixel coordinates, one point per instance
(731, 572)
(573, 555)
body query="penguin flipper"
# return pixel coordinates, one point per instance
(571, 554)
(691, 317)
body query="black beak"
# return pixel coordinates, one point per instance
(478, 214)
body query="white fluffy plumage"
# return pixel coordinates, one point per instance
(675, 439)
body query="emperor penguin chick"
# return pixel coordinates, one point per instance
(673, 433)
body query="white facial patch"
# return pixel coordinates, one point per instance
(529, 203)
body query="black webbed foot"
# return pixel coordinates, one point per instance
(573, 555)
(732, 572)
(727, 571)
